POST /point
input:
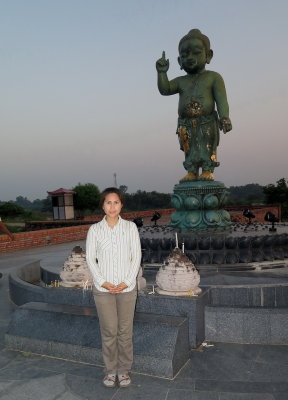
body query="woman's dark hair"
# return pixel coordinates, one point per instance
(108, 191)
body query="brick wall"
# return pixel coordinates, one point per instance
(27, 240)
(46, 237)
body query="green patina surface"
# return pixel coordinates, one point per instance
(199, 206)
(203, 108)
(203, 111)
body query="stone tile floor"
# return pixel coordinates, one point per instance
(221, 372)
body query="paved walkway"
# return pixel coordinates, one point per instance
(221, 372)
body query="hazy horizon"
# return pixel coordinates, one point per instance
(79, 97)
(128, 191)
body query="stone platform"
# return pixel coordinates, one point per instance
(22, 292)
(223, 371)
(73, 333)
(256, 291)
(247, 325)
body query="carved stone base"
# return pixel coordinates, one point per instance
(199, 206)
(194, 292)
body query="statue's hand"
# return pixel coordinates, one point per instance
(162, 65)
(225, 125)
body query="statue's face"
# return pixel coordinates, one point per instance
(192, 55)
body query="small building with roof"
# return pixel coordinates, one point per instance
(62, 203)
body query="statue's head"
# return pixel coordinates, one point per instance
(194, 51)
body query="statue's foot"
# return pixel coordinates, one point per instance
(189, 177)
(208, 175)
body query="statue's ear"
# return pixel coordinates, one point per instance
(179, 62)
(209, 56)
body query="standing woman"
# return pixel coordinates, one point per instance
(113, 254)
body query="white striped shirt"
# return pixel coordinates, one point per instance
(113, 254)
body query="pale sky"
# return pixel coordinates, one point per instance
(79, 98)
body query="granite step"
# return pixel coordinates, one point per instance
(256, 325)
(161, 343)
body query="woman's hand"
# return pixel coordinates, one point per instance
(119, 288)
(109, 286)
(114, 289)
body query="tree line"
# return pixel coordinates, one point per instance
(87, 197)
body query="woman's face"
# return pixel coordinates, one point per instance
(112, 205)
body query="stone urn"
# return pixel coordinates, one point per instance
(178, 276)
(75, 272)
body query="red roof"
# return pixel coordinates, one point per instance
(62, 191)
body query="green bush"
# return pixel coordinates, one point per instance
(11, 210)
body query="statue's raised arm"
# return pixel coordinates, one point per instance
(166, 87)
